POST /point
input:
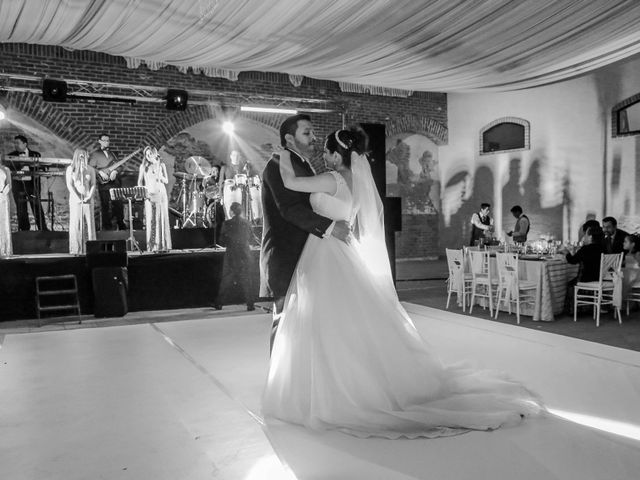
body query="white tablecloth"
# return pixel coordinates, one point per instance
(552, 276)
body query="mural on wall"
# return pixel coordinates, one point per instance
(412, 173)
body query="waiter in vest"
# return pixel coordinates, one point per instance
(519, 233)
(481, 224)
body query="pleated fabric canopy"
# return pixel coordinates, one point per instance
(439, 45)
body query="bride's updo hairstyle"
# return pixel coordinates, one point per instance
(346, 141)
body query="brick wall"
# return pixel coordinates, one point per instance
(77, 123)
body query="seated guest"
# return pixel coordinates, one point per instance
(631, 245)
(586, 225)
(588, 256)
(613, 237)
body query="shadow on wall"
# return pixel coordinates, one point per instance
(528, 194)
(459, 191)
(464, 193)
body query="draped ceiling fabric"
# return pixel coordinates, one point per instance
(365, 45)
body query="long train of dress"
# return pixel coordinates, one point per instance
(347, 356)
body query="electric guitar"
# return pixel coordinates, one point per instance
(108, 174)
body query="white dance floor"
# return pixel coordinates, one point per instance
(180, 400)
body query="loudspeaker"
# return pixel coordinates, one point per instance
(54, 90)
(110, 286)
(377, 154)
(106, 253)
(177, 99)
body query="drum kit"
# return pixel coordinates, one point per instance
(201, 199)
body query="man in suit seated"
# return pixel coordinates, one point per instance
(613, 236)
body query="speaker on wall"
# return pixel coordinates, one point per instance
(54, 90)
(177, 99)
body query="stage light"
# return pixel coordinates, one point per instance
(2, 116)
(285, 111)
(228, 127)
(54, 90)
(177, 99)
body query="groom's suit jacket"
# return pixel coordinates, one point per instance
(287, 221)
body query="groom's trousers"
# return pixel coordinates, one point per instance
(278, 304)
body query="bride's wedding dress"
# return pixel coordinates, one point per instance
(347, 356)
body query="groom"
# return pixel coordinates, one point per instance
(287, 216)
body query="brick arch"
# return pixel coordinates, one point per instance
(49, 116)
(179, 121)
(432, 129)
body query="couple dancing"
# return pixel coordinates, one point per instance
(345, 354)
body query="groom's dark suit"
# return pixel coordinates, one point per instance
(287, 221)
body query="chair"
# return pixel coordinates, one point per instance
(600, 292)
(633, 295)
(482, 281)
(458, 282)
(510, 288)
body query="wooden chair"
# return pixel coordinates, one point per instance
(600, 292)
(510, 288)
(458, 282)
(483, 283)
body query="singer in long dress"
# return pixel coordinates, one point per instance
(81, 183)
(346, 355)
(153, 175)
(5, 218)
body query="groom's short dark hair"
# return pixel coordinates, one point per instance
(290, 125)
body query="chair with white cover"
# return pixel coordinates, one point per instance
(458, 282)
(483, 283)
(600, 292)
(510, 288)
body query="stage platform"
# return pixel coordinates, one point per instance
(178, 279)
(35, 241)
(169, 399)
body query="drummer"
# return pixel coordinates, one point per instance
(237, 166)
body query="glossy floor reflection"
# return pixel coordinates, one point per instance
(180, 400)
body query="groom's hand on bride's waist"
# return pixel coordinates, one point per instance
(342, 231)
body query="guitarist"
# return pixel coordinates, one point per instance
(102, 160)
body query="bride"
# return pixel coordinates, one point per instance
(347, 356)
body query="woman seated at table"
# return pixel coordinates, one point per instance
(631, 245)
(588, 256)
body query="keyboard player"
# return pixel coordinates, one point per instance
(26, 186)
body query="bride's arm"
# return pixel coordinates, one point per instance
(324, 182)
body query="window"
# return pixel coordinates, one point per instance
(504, 135)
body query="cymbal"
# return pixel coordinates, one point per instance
(197, 165)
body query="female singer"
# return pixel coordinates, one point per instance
(5, 219)
(81, 183)
(153, 175)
